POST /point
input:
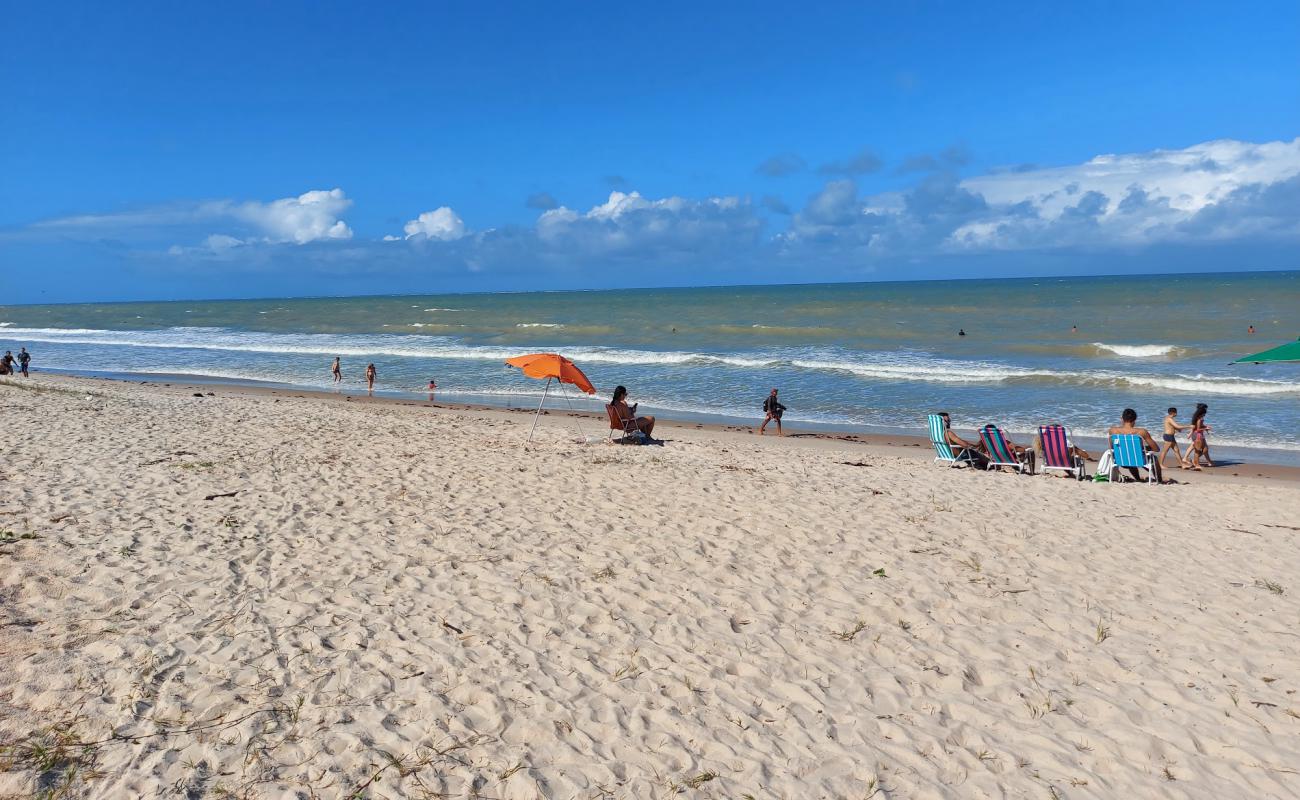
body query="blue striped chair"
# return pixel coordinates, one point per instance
(943, 450)
(1126, 450)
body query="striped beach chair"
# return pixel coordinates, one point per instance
(1126, 450)
(943, 450)
(1001, 455)
(1058, 452)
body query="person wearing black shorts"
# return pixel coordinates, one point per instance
(773, 409)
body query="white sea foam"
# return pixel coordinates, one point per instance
(1139, 350)
(539, 325)
(902, 366)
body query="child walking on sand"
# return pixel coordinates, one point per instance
(1171, 438)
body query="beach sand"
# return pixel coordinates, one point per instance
(266, 595)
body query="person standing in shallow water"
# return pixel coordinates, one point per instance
(24, 358)
(337, 369)
(370, 377)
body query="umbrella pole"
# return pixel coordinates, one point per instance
(538, 415)
(569, 403)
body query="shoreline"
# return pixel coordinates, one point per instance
(900, 444)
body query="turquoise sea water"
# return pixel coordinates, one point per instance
(868, 356)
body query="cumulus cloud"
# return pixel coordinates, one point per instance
(313, 216)
(781, 164)
(1246, 194)
(776, 205)
(1216, 191)
(1209, 191)
(309, 217)
(542, 201)
(862, 163)
(949, 158)
(441, 223)
(629, 223)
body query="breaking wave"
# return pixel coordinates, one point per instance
(1139, 350)
(895, 366)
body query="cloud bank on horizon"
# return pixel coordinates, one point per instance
(1222, 191)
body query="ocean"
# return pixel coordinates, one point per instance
(860, 356)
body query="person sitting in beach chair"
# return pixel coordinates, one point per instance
(626, 427)
(950, 448)
(626, 414)
(1060, 453)
(1133, 461)
(1002, 452)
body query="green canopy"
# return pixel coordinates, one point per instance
(1286, 352)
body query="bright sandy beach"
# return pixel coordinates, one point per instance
(258, 595)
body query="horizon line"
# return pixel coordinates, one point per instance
(661, 288)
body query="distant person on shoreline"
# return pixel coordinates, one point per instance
(1171, 438)
(961, 331)
(1074, 329)
(773, 409)
(1199, 447)
(337, 369)
(24, 358)
(628, 413)
(1128, 425)
(1250, 329)
(370, 377)
(433, 387)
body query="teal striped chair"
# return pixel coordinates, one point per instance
(943, 450)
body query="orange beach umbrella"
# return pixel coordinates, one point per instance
(552, 367)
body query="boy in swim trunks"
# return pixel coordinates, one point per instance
(1171, 439)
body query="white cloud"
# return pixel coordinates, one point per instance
(1128, 199)
(1216, 191)
(309, 217)
(442, 224)
(628, 222)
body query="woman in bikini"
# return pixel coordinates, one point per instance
(1199, 447)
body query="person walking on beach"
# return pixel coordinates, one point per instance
(1171, 438)
(370, 377)
(773, 409)
(1199, 448)
(7, 364)
(337, 369)
(24, 358)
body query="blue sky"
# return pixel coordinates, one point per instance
(187, 150)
